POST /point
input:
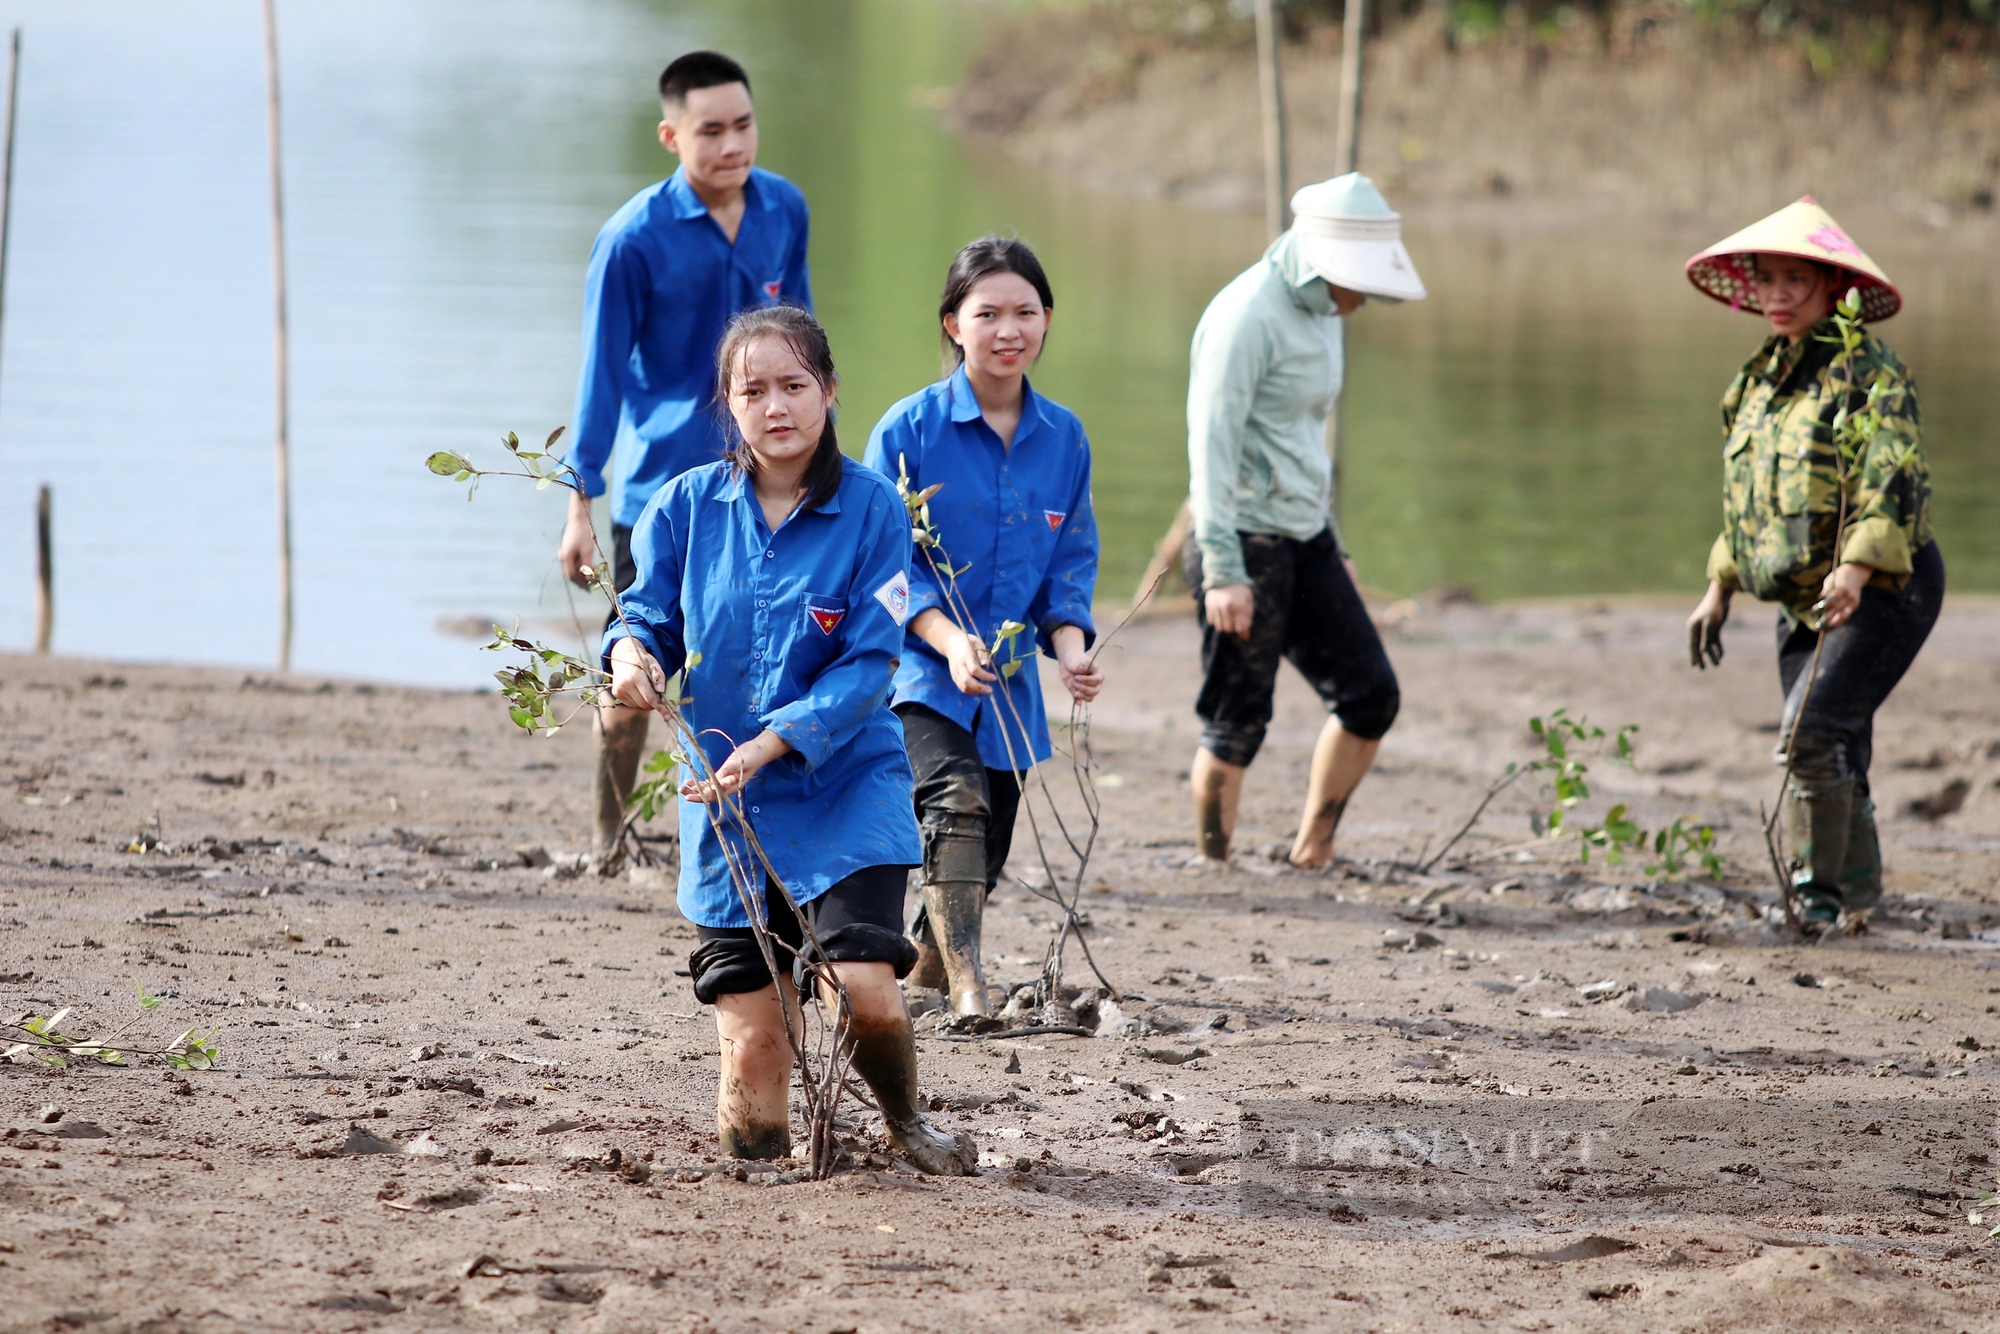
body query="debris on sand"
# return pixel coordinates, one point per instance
(1173, 1056)
(1945, 801)
(1661, 1000)
(360, 1140)
(635, 1170)
(1592, 1247)
(81, 1130)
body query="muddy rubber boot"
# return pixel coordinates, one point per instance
(1861, 871)
(1817, 822)
(618, 751)
(929, 974)
(955, 908)
(884, 1054)
(954, 892)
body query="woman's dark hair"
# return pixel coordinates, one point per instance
(803, 335)
(982, 259)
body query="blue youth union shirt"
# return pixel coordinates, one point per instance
(1021, 518)
(663, 284)
(798, 631)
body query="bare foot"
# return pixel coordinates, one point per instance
(934, 1151)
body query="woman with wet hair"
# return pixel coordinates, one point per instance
(776, 580)
(1843, 546)
(1013, 517)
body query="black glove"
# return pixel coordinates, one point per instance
(1705, 642)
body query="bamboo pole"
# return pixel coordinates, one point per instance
(1272, 96)
(45, 589)
(283, 411)
(1347, 132)
(45, 607)
(7, 166)
(1346, 151)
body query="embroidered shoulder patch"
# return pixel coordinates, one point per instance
(826, 618)
(1055, 518)
(895, 597)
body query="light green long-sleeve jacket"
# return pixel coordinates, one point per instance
(1264, 373)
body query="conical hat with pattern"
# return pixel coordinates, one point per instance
(1804, 229)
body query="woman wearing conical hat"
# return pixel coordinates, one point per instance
(1840, 538)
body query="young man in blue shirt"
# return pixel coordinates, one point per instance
(667, 273)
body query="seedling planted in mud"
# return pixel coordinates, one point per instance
(1568, 743)
(43, 1040)
(1030, 780)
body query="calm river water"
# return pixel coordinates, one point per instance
(1544, 424)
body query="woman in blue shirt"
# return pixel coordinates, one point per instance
(777, 580)
(1013, 504)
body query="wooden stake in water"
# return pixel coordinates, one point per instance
(1347, 130)
(45, 593)
(1272, 95)
(7, 166)
(283, 413)
(1346, 149)
(44, 596)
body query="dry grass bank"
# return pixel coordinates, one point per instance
(1639, 109)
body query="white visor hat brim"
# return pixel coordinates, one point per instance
(1363, 255)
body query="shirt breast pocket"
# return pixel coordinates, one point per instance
(820, 633)
(1805, 474)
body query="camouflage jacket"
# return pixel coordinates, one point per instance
(1781, 493)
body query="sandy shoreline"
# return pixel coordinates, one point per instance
(338, 886)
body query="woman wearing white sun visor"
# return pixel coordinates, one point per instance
(1269, 574)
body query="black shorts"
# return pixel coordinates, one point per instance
(859, 920)
(1307, 611)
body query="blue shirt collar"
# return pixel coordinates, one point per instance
(965, 404)
(736, 486)
(688, 205)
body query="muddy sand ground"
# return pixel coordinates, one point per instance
(1515, 1093)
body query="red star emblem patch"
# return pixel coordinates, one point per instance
(1055, 519)
(826, 618)
(771, 290)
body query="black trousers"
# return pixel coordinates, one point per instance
(1860, 664)
(858, 920)
(1307, 612)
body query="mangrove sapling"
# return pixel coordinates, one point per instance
(1567, 744)
(1854, 427)
(1048, 986)
(544, 684)
(42, 1039)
